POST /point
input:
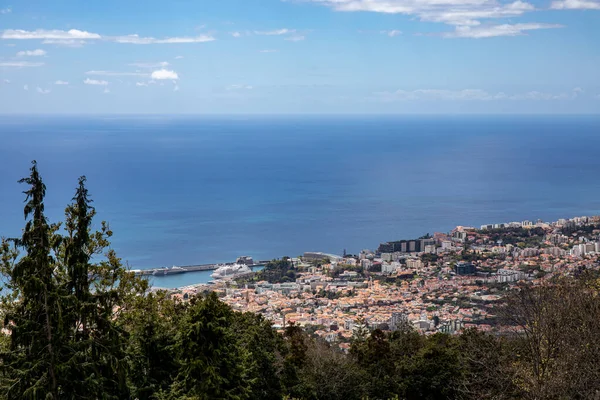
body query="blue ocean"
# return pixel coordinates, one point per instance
(189, 190)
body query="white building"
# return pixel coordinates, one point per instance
(509, 275)
(390, 268)
(414, 263)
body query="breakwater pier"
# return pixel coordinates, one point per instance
(193, 268)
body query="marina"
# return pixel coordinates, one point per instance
(229, 268)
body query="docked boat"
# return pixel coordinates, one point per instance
(168, 271)
(230, 271)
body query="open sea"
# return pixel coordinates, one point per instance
(195, 190)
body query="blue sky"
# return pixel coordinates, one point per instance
(300, 56)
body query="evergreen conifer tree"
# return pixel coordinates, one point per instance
(32, 311)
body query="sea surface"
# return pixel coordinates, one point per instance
(195, 190)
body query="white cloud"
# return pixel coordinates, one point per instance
(6, 10)
(26, 87)
(18, 64)
(42, 91)
(135, 39)
(95, 82)
(576, 5)
(452, 12)
(236, 34)
(471, 14)
(296, 38)
(115, 73)
(106, 90)
(32, 53)
(472, 95)
(179, 57)
(239, 87)
(479, 32)
(65, 42)
(392, 33)
(161, 64)
(268, 51)
(59, 82)
(176, 88)
(162, 74)
(141, 84)
(43, 34)
(277, 32)
(76, 38)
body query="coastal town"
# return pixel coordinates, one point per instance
(444, 282)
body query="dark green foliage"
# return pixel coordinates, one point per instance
(264, 360)
(429, 258)
(278, 271)
(294, 360)
(152, 325)
(31, 364)
(211, 359)
(532, 237)
(65, 341)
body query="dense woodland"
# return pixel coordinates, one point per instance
(78, 325)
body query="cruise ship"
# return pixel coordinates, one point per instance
(230, 271)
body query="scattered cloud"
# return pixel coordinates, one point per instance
(239, 87)
(95, 82)
(26, 87)
(161, 64)
(460, 13)
(141, 84)
(236, 34)
(479, 32)
(391, 33)
(277, 32)
(578, 91)
(6, 10)
(471, 95)
(65, 42)
(135, 39)
(7, 81)
(296, 38)
(115, 73)
(19, 64)
(179, 57)
(59, 82)
(176, 88)
(43, 34)
(470, 14)
(268, 51)
(77, 38)
(163, 74)
(42, 91)
(32, 53)
(576, 5)
(106, 90)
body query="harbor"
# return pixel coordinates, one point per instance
(180, 276)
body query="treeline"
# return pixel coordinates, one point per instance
(531, 237)
(78, 325)
(278, 271)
